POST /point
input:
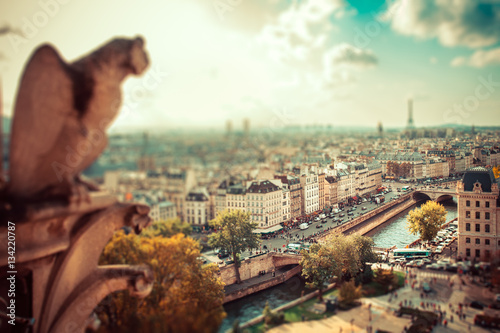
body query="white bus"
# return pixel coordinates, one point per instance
(405, 188)
(410, 253)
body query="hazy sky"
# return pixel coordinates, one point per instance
(279, 62)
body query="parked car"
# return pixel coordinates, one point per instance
(319, 226)
(477, 305)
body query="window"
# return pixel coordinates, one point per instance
(478, 215)
(467, 226)
(467, 240)
(477, 204)
(478, 253)
(467, 214)
(478, 227)
(487, 203)
(486, 216)
(487, 242)
(486, 228)
(467, 252)
(478, 241)
(467, 203)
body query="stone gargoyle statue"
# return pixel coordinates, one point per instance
(61, 115)
(62, 112)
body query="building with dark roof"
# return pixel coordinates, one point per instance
(264, 202)
(197, 205)
(478, 214)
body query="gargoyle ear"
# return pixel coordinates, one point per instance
(138, 58)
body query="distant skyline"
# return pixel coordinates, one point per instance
(278, 63)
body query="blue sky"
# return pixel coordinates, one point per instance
(277, 62)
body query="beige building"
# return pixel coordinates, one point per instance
(321, 190)
(178, 183)
(478, 215)
(295, 196)
(264, 202)
(235, 197)
(197, 207)
(332, 190)
(310, 193)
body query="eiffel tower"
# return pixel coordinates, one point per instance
(410, 124)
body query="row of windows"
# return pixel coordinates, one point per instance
(478, 204)
(477, 253)
(193, 220)
(478, 227)
(478, 215)
(192, 211)
(478, 241)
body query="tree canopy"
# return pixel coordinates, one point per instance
(234, 234)
(318, 266)
(340, 256)
(168, 228)
(427, 220)
(186, 297)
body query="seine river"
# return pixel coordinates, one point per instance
(393, 232)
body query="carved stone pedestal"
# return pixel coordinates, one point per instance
(56, 278)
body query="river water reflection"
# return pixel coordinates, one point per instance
(395, 231)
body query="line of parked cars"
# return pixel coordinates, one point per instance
(444, 238)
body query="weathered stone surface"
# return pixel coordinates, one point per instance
(62, 112)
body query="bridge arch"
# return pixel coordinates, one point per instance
(419, 196)
(444, 197)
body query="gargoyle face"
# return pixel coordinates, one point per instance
(138, 57)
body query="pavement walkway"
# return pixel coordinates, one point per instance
(447, 295)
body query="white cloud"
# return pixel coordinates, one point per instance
(479, 59)
(471, 23)
(346, 54)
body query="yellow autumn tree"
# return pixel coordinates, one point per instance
(186, 297)
(427, 220)
(496, 171)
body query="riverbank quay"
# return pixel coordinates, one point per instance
(371, 220)
(267, 280)
(287, 306)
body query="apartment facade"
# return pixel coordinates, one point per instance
(197, 207)
(310, 193)
(321, 190)
(265, 202)
(478, 215)
(295, 194)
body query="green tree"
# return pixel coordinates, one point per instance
(318, 267)
(349, 293)
(234, 234)
(168, 228)
(385, 278)
(351, 253)
(186, 296)
(427, 220)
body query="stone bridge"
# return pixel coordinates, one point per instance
(282, 259)
(253, 267)
(434, 194)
